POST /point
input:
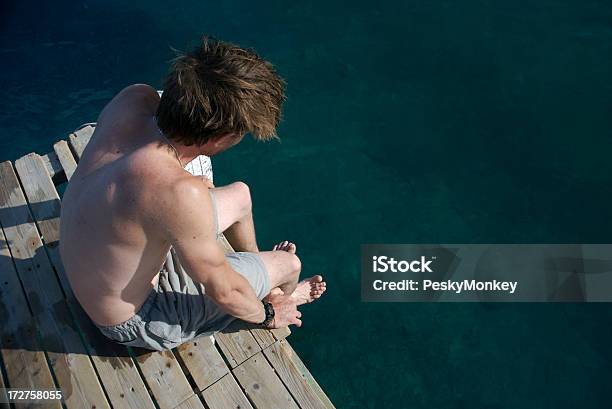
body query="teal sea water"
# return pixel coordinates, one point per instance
(406, 122)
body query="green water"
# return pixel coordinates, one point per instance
(406, 122)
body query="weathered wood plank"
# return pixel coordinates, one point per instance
(298, 380)
(45, 205)
(71, 365)
(226, 394)
(115, 367)
(62, 150)
(164, 376)
(203, 361)
(261, 384)
(117, 370)
(22, 233)
(193, 402)
(52, 163)
(266, 337)
(80, 138)
(236, 343)
(311, 380)
(3, 395)
(281, 333)
(24, 360)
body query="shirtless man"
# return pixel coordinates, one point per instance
(130, 202)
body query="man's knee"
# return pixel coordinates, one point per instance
(294, 267)
(243, 195)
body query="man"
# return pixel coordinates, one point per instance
(130, 201)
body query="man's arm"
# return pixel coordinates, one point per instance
(187, 215)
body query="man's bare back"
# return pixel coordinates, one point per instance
(111, 200)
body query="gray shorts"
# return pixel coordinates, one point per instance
(177, 309)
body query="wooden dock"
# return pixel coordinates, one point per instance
(48, 342)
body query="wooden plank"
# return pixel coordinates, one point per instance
(115, 367)
(3, 395)
(24, 360)
(226, 394)
(201, 358)
(193, 402)
(261, 384)
(117, 370)
(237, 343)
(25, 243)
(281, 333)
(62, 150)
(45, 205)
(80, 138)
(52, 163)
(67, 354)
(305, 372)
(298, 380)
(266, 337)
(163, 374)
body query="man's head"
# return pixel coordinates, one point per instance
(217, 93)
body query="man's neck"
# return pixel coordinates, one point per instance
(185, 153)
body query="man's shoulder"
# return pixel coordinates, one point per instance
(143, 91)
(138, 100)
(178, 191)
(173, 202)
(187, 186)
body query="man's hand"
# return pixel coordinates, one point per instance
(285, 311)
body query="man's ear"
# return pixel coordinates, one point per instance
(221, 140)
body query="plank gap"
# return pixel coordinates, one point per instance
(4, 380)
(142, 376)
(186, 371)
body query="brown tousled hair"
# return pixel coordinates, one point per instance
(220, 88)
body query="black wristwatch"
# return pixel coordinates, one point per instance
(269, 309)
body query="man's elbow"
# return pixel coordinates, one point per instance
(221, 295)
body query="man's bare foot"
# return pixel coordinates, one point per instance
(285, 246)
(309, 290)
